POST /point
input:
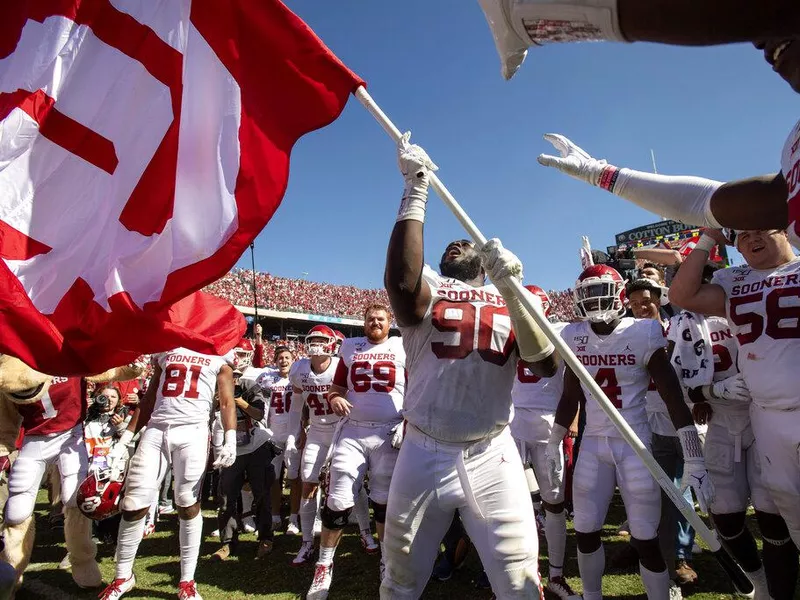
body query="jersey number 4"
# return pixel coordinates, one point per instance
(175, 381)
(606, 378)
(464, 318)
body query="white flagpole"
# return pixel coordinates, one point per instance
(674, 494)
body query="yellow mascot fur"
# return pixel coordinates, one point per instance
(19, 384)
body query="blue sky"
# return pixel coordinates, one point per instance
(432, 66)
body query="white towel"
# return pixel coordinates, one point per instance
(693, 357)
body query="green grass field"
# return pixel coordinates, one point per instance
(355, 577)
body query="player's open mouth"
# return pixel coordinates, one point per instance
(757, 248)
(28, 394)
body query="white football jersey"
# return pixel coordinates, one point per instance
(375, 378)
(618, 363)
(186, 389)
(462, 362)
(763, 309)
(277, 392)
(790, 167)
(532, 392)
(315, 388)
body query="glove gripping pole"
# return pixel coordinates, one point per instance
(733, 570)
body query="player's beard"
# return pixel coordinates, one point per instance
(375, 335)
(463, 269)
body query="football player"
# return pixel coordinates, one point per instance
(622, 354)
(367, 390)
(176, 409)
(759, 301)
(311, 379)
(535, 400)
(458, 452)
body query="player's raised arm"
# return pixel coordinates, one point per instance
(409, 294)
(516, 25)
(756, 203)
(687, 289)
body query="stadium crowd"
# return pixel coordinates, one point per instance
(304, 296)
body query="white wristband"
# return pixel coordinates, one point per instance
(690, 443)
(705, 243)
(415, 198)
(230, 437)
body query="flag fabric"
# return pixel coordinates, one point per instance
(143, 146)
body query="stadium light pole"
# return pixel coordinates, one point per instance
(255, 295)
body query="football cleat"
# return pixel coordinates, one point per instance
(248, 525)
(117, 588)
(560, 587)
(368, 542)
(188, 591)
(305, 554)
(264, 548)
(323, 575)
(292, 528)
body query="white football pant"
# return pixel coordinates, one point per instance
(486, 483)
(185, 447)
(315, 452)
(777, 434)
(66, 449)
(361, 448)
(735, 469)
(603, 464)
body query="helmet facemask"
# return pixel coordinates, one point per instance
(599, 300)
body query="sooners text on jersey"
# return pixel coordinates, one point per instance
(315, 388)
(618, 363)
(60, 409)
(763, 310)
(375, 378)
(185, 394)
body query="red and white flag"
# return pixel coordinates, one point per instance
(143, 145)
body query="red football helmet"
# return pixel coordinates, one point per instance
(99, 495)
(340, 337)
(537, 291)
(599, 294)
(324, 343)
(244, 353)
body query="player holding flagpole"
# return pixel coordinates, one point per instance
(458, 452)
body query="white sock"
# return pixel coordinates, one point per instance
(247, 501)
(276, 520)
(190, 536)
(591, 567)
(308, 510)
(326, 555)
(759, 581)
(362, 511)
(655, 584)
(555, 532)
(128, 540)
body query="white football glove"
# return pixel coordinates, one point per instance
(695, 473)
(291, 445)
(576, 162)
(119, 454)
(499, 262)
(554, 455)
(226, 455)
(398, 432)
(415, 165)
(733, 388)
